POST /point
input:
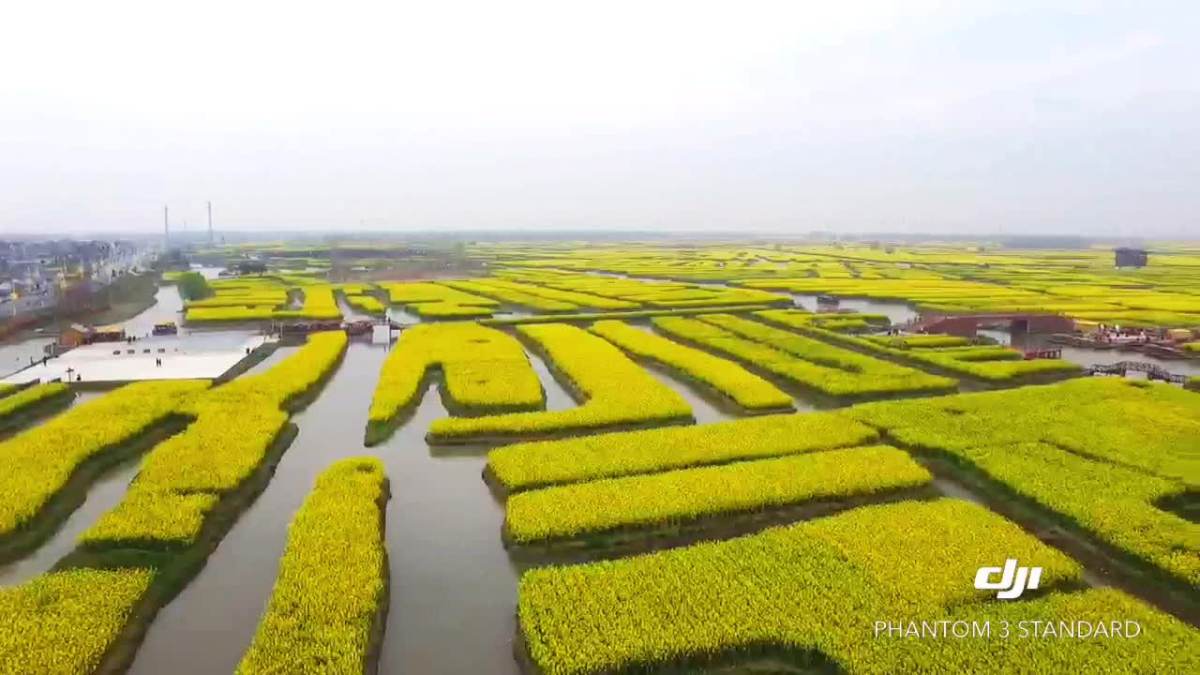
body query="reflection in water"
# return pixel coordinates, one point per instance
(1090, 357)
(453, 588)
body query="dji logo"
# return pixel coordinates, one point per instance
(1013, 580)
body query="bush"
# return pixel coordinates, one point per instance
(193, 286)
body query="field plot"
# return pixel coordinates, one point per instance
(673, 498)
(991, 363)
(45, 471)
(1134, 443)
(725, 378)
(811, 364)
(265, 298)
(325, 616)
(436, 301)
(485, 371)
(188, 492)
(614, 392)
(184, 478)
(19, 406)
(777, 593)
(774, 542)
(525, 466)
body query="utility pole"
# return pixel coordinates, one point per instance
(166, 230)
(210, 234)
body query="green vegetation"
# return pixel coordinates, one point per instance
(810, 363)
(746, 389)
(193, 286)
(818, 587)
(675, 497)
(526, 466)
(322, 614)
(485, 371)
(615, 391)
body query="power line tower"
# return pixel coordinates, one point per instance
(210, 230)
(166, 230)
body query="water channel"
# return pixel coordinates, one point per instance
(453, 586)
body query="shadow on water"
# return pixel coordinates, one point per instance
(453, 588)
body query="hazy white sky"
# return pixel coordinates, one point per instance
(1015, 116)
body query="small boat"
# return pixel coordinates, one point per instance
(168, 328)
(826, 300)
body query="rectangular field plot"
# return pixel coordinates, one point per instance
(726, 378)
(809, 363)
(1104, 455)
(614, 392)
(813, 592)
(677, 497)
(525, 466)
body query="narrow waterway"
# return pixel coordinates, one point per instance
(167, 308)
(1091, 357)
(104, 494)
(453, 586)
(896, 312)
